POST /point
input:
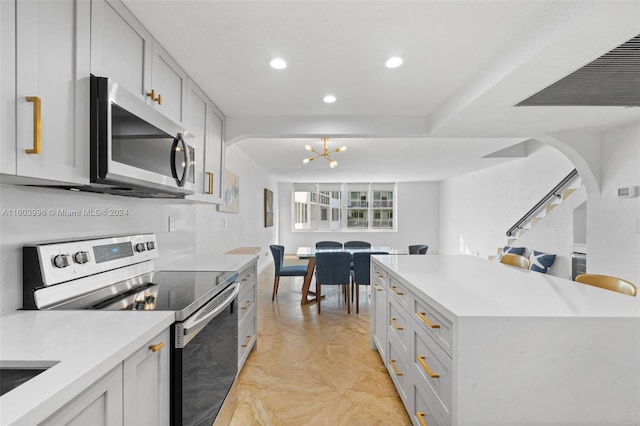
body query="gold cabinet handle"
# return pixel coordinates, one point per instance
(379, 274)
(154, 98)
(246, 343)
(377, 287)
(421, 417)
(423, 317)
(426, 368)
(246, 305)
(397, 292)
(156, 348)
(392, 362)
(395, 324)
(210, 190)
(37, 125)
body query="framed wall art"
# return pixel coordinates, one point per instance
(230, 193)
(268, 208)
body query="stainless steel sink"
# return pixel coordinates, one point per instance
(15, 373)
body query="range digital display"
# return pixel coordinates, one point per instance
(110, 252)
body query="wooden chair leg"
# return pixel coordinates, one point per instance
(276, 281)
(357, 297)
(348, 299)
(318, 292)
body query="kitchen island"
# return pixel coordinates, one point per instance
(473, 342)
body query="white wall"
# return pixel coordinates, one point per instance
(198, 227)
(418, 219)
(613, 246)
(477, 209)
(245, 228)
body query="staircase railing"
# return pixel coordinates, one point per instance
(554, 193)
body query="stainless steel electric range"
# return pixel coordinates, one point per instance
(118, 273)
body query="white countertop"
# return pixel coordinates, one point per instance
(206, 262)
(87, 344)
(471, 286)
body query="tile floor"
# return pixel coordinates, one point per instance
(311, 369)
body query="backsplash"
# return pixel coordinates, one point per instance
(32, 214)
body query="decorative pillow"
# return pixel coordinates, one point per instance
(512, 250)
(540, 262)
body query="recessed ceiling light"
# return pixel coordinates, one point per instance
(329, 99)
(278, 64)
(394, 62)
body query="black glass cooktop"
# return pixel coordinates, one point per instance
(179, 291)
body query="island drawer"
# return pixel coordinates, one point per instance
(398, 369)
(399, 324)
(400, 291)
(379, 275)
(434, 323)
(246, 336)
(424, 410)
(432, 367)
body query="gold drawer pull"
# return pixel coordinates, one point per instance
(392, 362)
(379, 274)
(246, 305)
(156, 348)
(398, 293)
(421, 417)
(377, 287)
(210, 190)
(246, 343)
(423, 317)
(395, 324)
(426, 368)
(37, 125)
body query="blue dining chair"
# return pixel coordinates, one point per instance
(361, 273)
(283, 271)
(333, 268)
(418, 249)
(328, 244)
(357, 244)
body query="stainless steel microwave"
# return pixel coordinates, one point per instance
(135, 150)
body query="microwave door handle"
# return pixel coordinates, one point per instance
(187, 159)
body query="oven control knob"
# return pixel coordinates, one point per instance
(140, 247)
(151, 245)
(81, 257)
(61, 261)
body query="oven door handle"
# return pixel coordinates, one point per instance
(196, 322)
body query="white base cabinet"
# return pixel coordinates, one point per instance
(100, 404)
(146, 383)
(471, 342)
(247, 313)
(135, 393)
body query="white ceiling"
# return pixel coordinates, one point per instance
(466, 63)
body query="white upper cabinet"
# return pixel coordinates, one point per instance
(168, 84)
(121, 48)
(51, 96)
(205, 122)
(124, 51)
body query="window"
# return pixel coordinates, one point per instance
(366, 206)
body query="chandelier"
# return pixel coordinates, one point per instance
(326, 154)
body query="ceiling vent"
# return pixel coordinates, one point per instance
(611, 80)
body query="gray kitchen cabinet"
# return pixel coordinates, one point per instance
(47, 92)
(135, 392)
(205, 122)
(146, 383)
(100, 404)
(124, 51)
(247, 312)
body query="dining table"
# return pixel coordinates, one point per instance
(310, 254)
